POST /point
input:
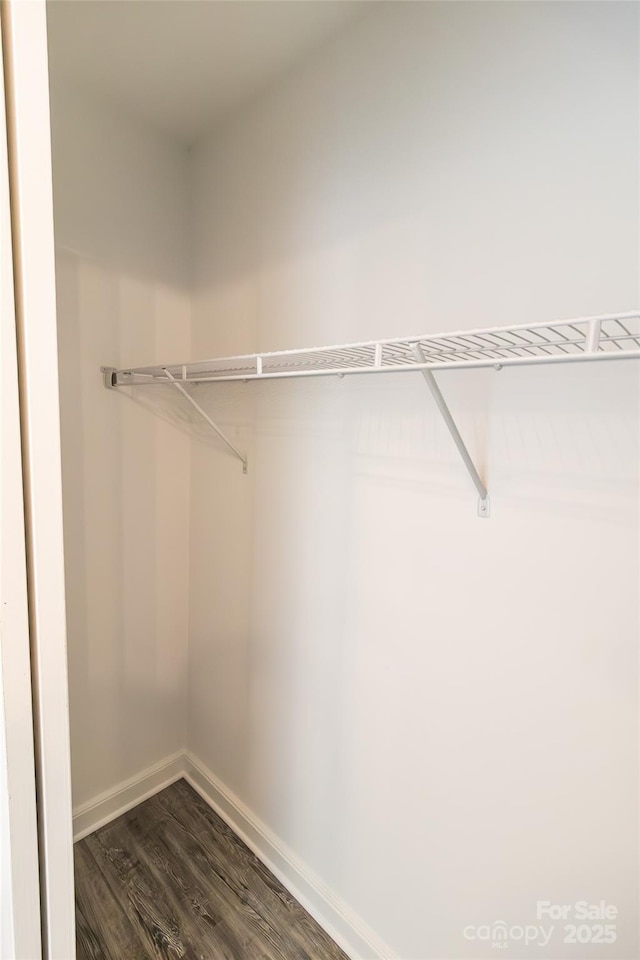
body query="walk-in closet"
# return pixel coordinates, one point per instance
(348, 360)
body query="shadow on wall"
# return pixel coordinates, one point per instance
(552, 433)
(123, 274)
(120, 191)
(125, 487)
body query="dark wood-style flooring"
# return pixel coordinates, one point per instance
(170, 879)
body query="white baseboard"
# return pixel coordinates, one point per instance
(357, 939)
(112, 803)
(347, 929)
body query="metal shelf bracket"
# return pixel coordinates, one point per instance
(430, 380)
(109, 376)
(207, 418)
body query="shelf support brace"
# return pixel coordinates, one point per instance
(207, 418)
(430, 380)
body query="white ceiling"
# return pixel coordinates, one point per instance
(181, 65)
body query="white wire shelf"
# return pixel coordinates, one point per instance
(607, 337)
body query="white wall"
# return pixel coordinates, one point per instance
(123, 297)
(437, 713)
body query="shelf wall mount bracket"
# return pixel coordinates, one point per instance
(483, 495)
(109, 377)
(205, 416)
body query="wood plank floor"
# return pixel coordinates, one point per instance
(170, 879)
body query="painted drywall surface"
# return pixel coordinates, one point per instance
(437, 713)
(122, 279)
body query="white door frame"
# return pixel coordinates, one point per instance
(19, 879)
(30, 178)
